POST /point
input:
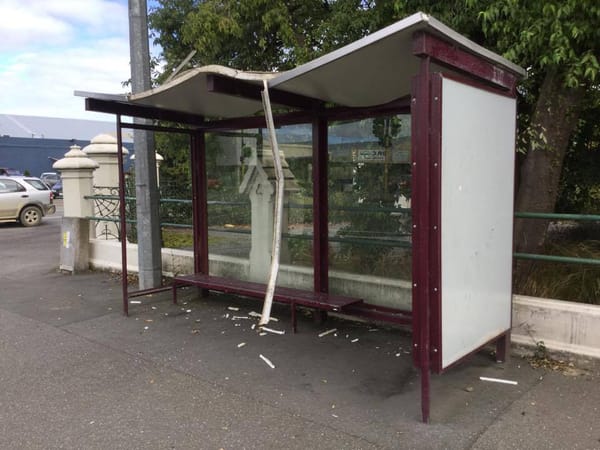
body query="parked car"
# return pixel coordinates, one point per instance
(25, 200)
(9, 172)
(50, 178)
(57, 189)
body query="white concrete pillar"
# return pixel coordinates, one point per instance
(76, 171)
(262, 197)
(103, 149)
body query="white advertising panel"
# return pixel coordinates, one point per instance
(478, 151)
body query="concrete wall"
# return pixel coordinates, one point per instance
(562, 326)
(106, 254)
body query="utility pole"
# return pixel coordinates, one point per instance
(146, 191)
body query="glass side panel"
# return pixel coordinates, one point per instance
(369, 198)
(295, 147)
(229, 214)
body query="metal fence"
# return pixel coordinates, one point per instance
(177, 213)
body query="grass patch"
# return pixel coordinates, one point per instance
(572, 282)
(183, 238)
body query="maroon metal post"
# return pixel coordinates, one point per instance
(421, 224)
(122, 217)
(435, 221)
(199, 202)
(320, 206)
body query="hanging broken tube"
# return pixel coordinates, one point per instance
(278, 214)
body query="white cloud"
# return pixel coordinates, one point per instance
(52, 47)
(43, 22)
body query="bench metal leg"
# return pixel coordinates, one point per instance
(293, 306)
(502, 344)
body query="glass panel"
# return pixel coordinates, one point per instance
(295, 146)
(369, 197)
(229, 214)
(175, 187)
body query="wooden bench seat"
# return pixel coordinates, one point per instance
(317, 300)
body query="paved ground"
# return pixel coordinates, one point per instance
(76, 373)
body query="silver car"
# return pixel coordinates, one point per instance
(24, 199)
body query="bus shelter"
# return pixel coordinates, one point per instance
(461, 99)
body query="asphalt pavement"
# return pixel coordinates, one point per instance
(77, 374)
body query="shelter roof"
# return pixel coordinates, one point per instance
(374, 70)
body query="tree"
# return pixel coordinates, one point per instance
(558, 41)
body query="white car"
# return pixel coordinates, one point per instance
(25, 200)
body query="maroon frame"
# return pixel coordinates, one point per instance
(320, 206)
(421, 219)
(426, 202)
(424, 104)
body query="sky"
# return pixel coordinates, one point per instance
(50, 48)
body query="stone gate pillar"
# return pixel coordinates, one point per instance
(76, 171)
(103, 149)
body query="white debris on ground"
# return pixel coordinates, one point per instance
(255, 314)
(241, 344)
(325, 333)
(233, 308)
(498, 380)
(271, 330)
(135, 302)
(267, 361)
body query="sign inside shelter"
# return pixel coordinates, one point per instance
(371, 155)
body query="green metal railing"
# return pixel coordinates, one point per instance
(554, 258)
(404, 243)
(366, 241)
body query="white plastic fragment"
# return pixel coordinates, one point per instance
(262, 334)
(267, 361)
(373, 329)
(354, 340)
(233, 308)
(188, 310)
(253, 326)
(325, 333)
(154, 307)
(271, 330)
(135, 302)
(498, 380)
(255, 314)
(241, 344)
(240, 317)
(146, 327)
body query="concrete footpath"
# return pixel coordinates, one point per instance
(76, 373)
